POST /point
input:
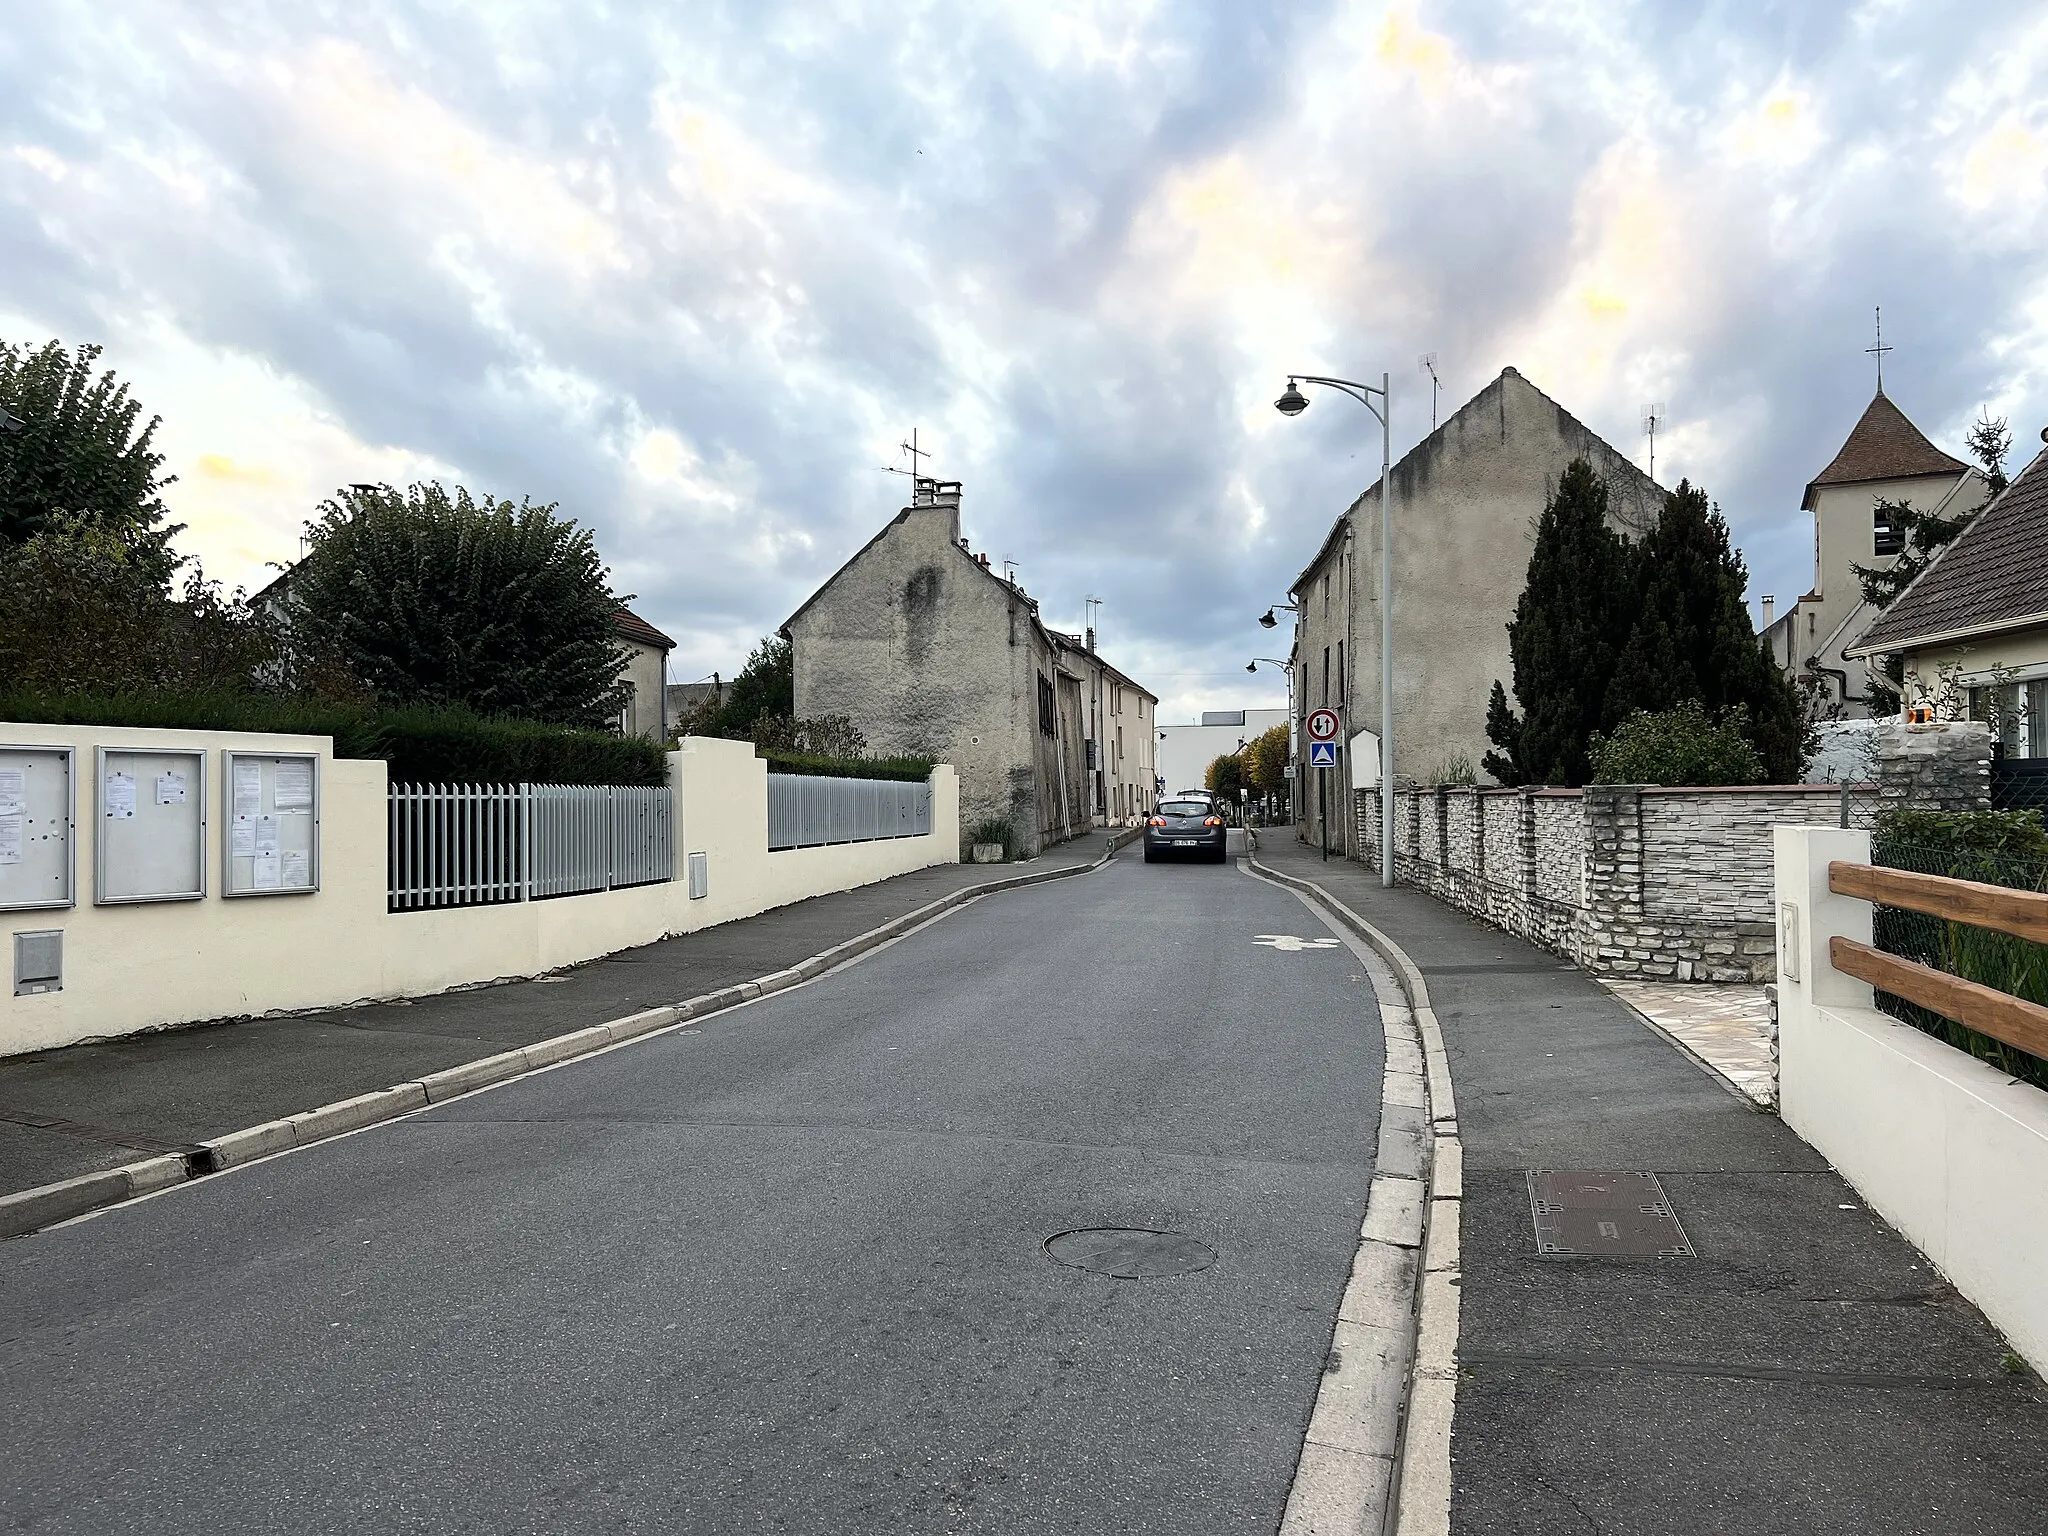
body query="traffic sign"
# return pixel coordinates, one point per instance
(1323, 725)
(1322, 754)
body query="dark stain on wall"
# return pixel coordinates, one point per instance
(921, 595)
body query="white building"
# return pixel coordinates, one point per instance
(1186, 751)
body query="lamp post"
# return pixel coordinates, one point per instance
(1293, 403)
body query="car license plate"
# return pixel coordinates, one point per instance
(1187, 842)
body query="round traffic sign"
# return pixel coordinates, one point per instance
(1323, 725)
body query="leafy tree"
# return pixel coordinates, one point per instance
(1683, 745)
(78, 454)
(1266, 761)
(437, 599)
(1564, 640)
(82, 610)
(1692, 640)
(1926, 534)
(1224, 777)
(765, 686)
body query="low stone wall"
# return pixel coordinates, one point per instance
(1622, 879)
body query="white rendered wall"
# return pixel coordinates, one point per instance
(128, 968)
(1951, 1152)
(1186, 751)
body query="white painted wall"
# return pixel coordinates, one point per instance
(134, 967)
(1186, 751)
(1949, 1151)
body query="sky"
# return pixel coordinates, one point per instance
(694, 271)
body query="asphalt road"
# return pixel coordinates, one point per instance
(779, 1272)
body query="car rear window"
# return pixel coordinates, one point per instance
(1183, 807)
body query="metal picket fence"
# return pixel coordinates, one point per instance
(465, 845)
(810, 812)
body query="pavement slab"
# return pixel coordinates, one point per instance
(1808, 1372)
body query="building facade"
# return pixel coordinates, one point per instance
(646, 649)
(1884, 459)
(1186, 751)
(1464, 506)
(931, 653)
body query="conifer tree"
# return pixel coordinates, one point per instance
(1575, 609)
(1692, 642)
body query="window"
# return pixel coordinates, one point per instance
(2004, 709)
(1047, 725)
(1886, 536)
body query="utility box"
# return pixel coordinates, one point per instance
(38, 962)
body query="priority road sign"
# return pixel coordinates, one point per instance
(1323, 725)
(1322, 754)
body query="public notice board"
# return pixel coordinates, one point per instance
(273, 841)
(35, 827)
(149, 826)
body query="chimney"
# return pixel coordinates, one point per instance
(1770, 607)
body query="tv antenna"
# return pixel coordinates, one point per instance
(909, 446)
(1880, 349)
(1653, 418)
(1009, 570)
(1092, 606)
(1427, 363)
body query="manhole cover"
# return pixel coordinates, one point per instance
(1130, 1253)
(1599, 1213)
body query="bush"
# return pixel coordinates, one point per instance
(993, 830)
(1677, 746)
(2008, 848)
(913, 770)
(422, 745)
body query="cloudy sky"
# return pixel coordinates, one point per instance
(694, 270)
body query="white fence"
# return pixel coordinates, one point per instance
(811, 812)
(466, 845)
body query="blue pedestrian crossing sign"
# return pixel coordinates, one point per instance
(1322, 754)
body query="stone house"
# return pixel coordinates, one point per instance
(929, 652)
(1884, 458)
(1465, 501)
(1972, 629)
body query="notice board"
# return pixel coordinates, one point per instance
(272, 846)
(149, 825)
(36, 803)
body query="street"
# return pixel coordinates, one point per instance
(780, 1270)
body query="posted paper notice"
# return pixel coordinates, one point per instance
(292, 789)
(242, 839)
(248, 788)
(12, 826)
(297, 872)
(170, 789)
(13, 791)
(120, 796)
(268, 875)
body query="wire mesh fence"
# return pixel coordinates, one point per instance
(2008, 964)
(2019, 784)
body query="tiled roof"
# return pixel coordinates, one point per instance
(630, 626)
(1992, 577)
(1883, 445)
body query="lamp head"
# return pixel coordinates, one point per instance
(1251, 666)
(1267, 621)
(1293, 403)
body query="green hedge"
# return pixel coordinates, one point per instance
(422, 745)
(911, 769)
(2008, 848)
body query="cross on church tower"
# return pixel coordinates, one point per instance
(1879, 350)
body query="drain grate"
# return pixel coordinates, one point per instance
(1595, 1213)
(1130, 1253)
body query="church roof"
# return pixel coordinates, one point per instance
(1883, 445)
(1991, 578)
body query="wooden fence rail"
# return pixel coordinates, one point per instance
(2023, 914)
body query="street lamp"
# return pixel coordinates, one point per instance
(1267, 619)
(1252, 666)
(1293, 403)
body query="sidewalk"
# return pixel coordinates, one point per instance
(88, 1107)
(1806, 1372)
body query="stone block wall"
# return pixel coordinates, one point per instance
(1938, 767)
(1624, 880)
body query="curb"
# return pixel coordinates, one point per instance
(1396, 1477)
(30, 1210)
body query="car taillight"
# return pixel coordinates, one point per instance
(1212, 821)
(1158, 821)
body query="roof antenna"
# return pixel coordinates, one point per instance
(1653, 418)
(1880, 349)
(1427, 363)
(910, 447)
